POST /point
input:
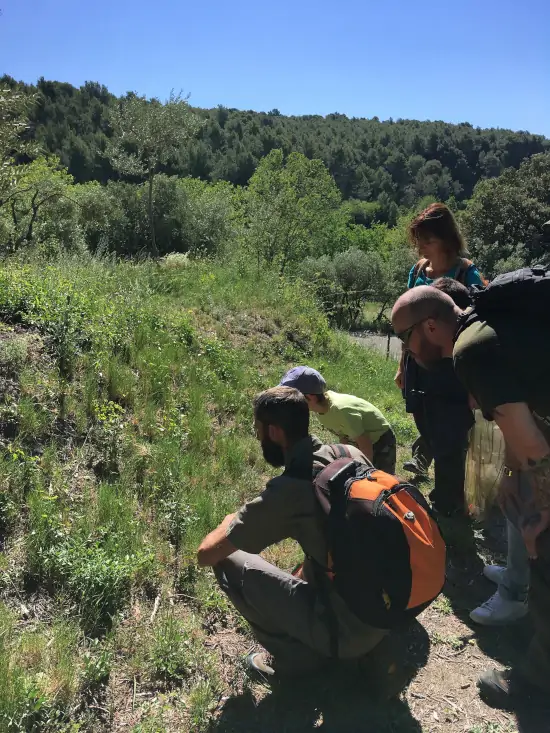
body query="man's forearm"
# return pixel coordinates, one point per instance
(530, 493)
(215, 547)
(521, 434)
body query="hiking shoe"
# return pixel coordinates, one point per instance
(499, 611)
(413, 467)
(507, 689)
(257, 665)
(494, 573)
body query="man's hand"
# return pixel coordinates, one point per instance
(529, 447)
(215, 547)
(399, 378)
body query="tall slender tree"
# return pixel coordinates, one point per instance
(146, 135)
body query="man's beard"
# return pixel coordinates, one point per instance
(273, 453)
(428, 354)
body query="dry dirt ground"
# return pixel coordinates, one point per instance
(448, 649)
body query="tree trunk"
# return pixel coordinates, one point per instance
(154, 248)
(28, 236)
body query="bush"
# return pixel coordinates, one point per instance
(190, 216)
(344, 282)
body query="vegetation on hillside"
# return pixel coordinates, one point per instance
(291, 216)
(391, 163)
(126, 380)
(126, 435)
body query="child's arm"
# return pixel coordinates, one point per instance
(364, 443)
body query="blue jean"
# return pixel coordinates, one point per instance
(515, 584)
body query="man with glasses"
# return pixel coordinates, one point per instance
(504, 366)
(439, 404)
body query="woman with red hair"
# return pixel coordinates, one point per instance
(436, 398)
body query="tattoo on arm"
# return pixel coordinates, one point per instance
(539, 476)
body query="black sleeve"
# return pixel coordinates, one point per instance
(482, 365)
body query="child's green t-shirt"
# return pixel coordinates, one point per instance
(351, 417)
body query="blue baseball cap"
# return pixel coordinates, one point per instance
(305, 379)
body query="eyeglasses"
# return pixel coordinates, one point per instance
(405, 335)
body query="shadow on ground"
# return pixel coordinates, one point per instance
(469, 544)
(336, 702)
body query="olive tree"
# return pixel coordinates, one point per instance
(146, 135)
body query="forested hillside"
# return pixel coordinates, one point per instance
(392, 163)
(144, 300)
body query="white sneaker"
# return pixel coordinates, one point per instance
(494, 573)
(497, 610)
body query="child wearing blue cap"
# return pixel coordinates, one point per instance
(353, 419)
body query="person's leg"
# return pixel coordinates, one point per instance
(422, 455)
(531, 678)
(450, 472)
(514, 584)
(448, 425)
(509, 603)
(385, 453)
(279, 609)
(535, 667)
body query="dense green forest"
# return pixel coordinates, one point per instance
(82, 171)
(394, 163)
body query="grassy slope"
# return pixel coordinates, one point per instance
(126, 434)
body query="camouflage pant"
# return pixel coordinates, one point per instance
(384, 452)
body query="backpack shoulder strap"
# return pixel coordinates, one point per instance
(418, 268)
(462, 272)
(322, 462)
(341, 451)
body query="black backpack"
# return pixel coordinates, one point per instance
(524, 293)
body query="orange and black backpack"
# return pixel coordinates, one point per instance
(386, 554)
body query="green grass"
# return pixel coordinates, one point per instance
(127, 436)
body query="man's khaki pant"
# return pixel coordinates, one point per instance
(283, 612)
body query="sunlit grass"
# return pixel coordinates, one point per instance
(130, 406)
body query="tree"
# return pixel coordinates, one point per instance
(503, 220)
(146, 135)
(404, 159)
(34, 188)
(343, 283)
(14, 109)
(293, 209)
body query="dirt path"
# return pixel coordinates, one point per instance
(449, 651)
(378, 341)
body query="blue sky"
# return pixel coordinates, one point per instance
(482, 61)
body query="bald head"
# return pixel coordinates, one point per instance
(421, 303)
